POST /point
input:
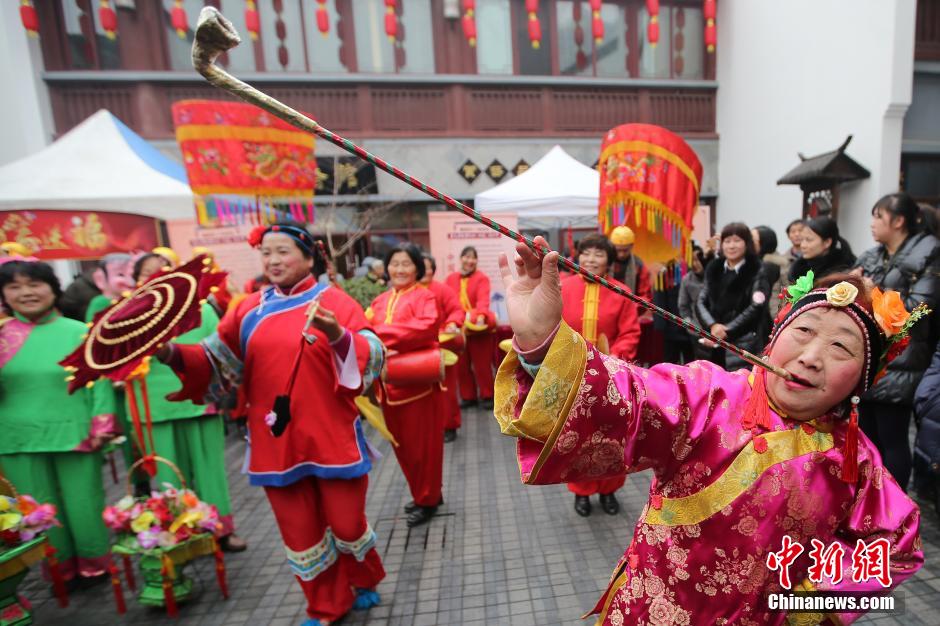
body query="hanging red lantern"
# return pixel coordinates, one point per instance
(710, 12)
(469, 22)
(652, 29)
(391, 20)
(108, 19)
(178, 19)
(323, 18)
(29, 18)
(252, 21)
(535, 29)
(597, 24)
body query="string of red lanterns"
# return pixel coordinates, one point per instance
(710, 12)
(469, 22)
(535, 28)
(652, 28)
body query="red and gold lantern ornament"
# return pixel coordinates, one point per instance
(323, 18)
(597, 24)
(29, 18)
(252, 21)
(710, 12)
(650, 179)
(535, 29)
(178, 19)
(469, 22)
(652, 29)
(108, 19)
(391, 20)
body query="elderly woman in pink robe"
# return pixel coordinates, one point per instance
(744, 463)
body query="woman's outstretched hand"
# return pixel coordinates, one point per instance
(533, 294)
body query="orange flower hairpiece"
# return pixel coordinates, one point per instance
(889, 311)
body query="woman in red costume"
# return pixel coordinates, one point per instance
(302, 349)
(406, 319)
(476, 368)
(450, 317)
(611, 323)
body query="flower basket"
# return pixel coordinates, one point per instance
(165, 531)
(23, 545)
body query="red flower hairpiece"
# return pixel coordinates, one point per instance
(256, 235)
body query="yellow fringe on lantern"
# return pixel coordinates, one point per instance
(650, 148)
(652, 222)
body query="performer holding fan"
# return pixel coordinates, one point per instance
(304, 350)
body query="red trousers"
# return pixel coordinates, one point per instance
(330, 545)
(476, 367)
(450, 403)
(418, 427)
(603, 486)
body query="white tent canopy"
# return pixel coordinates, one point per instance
(100, 165)
(555, 192)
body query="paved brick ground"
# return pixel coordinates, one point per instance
(499, 553)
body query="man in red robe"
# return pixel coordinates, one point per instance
(610, 322)
(450, 317)
(476, 368)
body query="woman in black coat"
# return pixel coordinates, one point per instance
(733, 302)
(907, 261)
(823, 250)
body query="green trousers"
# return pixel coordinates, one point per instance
(71, 481)
(197, 446)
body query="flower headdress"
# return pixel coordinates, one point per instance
(299, 235)
(885, 333)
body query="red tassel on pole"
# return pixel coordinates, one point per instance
(129, 572)
(116, 588)
(178, 19)
(220, 569)
(652, 29)
(710, 12)
(29, 18)
(252, 21)
(757, 410)
(850, 451)
(55, 573)
(169, 598)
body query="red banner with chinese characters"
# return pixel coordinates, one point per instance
(650, 179)
(239, 149)
(78, 234)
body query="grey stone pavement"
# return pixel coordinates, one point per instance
(498, 553)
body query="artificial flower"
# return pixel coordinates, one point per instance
(842, 294)
(143, 521)
(166, 539)
(9, 521)
(189, 518)
(5, 503)
(802, 286)
(889, 311)
(26, 504)
(256, 235)
(125, 503)
(148, 538)
(43, 515)
(190, 499)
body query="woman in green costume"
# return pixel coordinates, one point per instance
(50, 447)
(189, 435)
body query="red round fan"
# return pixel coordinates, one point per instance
(122, 335)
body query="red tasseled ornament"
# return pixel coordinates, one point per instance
(323, 21)
(129, 572)
(709, 10)
(531, 6)
(55, 573)
(116, 587)
(652, 32)
(757, 409)
(391, 25)
(252, 20)
(29, 18)
(850, 450)
(108, 19)
(220, 569)
(597, 29)
(535, 31)
(178, 19)
(470, 29)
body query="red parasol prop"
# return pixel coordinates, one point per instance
(122, 335)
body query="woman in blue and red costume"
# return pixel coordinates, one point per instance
(742, 462)
(406, 319)
(611, 323)
(476, 367)
(450, 317)
(315, 473)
